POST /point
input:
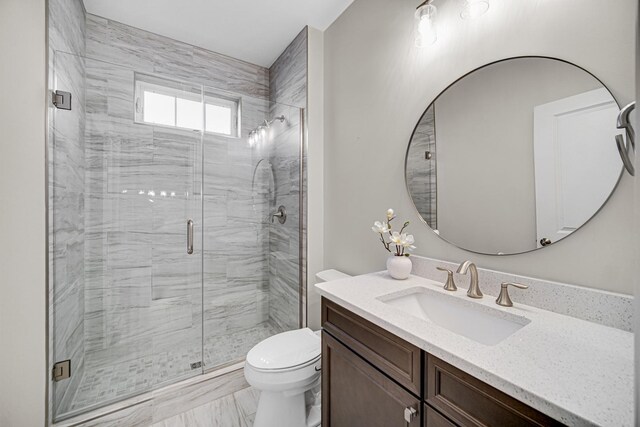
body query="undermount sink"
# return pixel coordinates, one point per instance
(482, 324)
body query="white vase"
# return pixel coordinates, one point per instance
(399, 267)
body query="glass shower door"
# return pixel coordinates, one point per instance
(126, 267)
(251, 259)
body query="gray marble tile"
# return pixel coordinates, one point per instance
(222, 412)
(288, 75)
(143, 51)
(421, 172)
(223, 347)
(129, 304)
(288, 78)
(140, 414)
(230, 74)
(66, 197)
(67, 29)
(247, 401)
(169, 404)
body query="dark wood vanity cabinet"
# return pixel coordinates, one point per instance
(371, 378)
(360, 395)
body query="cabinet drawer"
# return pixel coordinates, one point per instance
(432, 418)
(470, 402)
(392, 355)
(355, 394)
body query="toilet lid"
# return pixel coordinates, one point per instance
(285, 350)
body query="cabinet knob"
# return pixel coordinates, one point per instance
(410, 414)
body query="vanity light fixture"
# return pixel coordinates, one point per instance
(259, 134)
(425, 18)
(425, 24)
(473, 8)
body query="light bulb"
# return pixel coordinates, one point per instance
(473, 8)
(426, 33)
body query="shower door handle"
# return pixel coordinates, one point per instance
(190, 237)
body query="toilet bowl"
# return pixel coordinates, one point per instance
(285, 369)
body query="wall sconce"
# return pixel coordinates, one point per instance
(473, 8)
(425, 31)
(425, 18)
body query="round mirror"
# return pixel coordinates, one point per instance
(515, 155)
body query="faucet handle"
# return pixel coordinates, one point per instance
(450, 285)
(504, 299)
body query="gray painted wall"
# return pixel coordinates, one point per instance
(22, 214)
(377, 85)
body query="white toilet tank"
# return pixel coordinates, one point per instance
(313, 302)
(328, 275)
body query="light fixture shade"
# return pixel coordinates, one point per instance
(473, 8)
(425, 25)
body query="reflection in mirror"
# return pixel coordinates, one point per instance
(515, 155)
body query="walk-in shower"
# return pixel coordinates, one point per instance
(149, 163)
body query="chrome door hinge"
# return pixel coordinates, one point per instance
(61, 370)
(62, 100)
(410, 414)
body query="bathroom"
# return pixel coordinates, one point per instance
(188, 190)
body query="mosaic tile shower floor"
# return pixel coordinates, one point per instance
(107, 383)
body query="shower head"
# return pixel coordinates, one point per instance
(280, 119)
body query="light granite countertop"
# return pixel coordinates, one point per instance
(578, 372)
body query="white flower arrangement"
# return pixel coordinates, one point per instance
(402, 241)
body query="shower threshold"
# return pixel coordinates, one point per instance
(157, 405)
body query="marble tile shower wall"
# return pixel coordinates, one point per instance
(238, 196)
(66, 193)
(129, 307)
(422, 178)
(144, 292)
(288, 85)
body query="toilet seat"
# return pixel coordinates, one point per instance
(285, 351)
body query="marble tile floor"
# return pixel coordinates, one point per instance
(235, 410)
(108, 383)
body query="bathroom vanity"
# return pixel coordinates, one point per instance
(386, 364)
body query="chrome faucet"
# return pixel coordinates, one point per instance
(474, 288)
(503, 299)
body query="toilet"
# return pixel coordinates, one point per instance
(285, 369)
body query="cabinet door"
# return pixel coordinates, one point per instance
(468, 401)
(398, 359)
(355, 394)
(432, 418)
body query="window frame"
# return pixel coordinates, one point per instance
(190, 92)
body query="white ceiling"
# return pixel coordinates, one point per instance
(255, 31)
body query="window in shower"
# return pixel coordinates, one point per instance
(167, 103)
